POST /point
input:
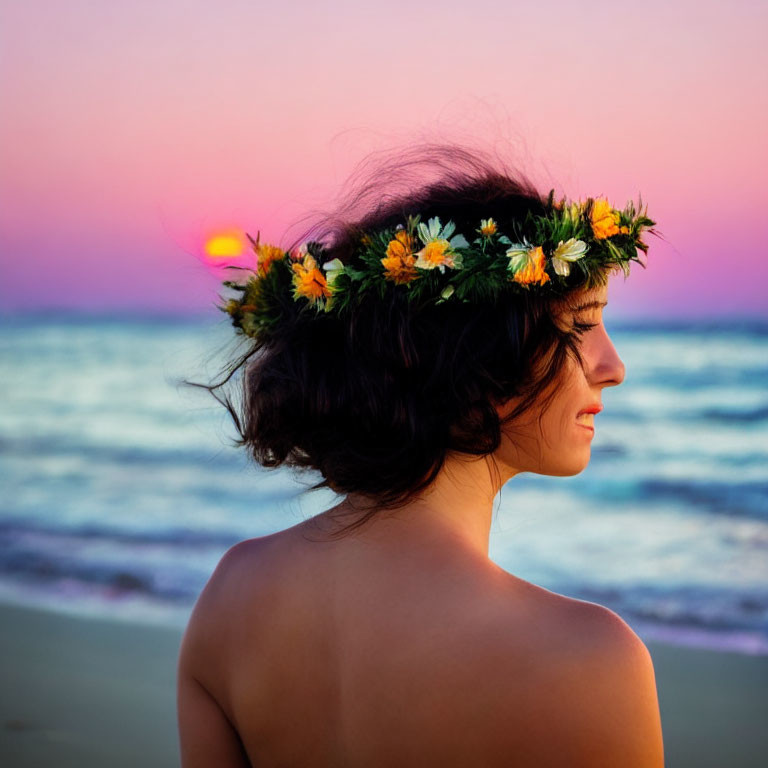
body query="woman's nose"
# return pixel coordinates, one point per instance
(607, 368)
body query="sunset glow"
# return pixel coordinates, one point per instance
(138, 159)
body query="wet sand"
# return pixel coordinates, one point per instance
(92, 692)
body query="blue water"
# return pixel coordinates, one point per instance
(119, 491)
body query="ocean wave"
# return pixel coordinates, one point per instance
(55, 446)
(745, 499)
(731, 414)
(33, 569)
(69, 535)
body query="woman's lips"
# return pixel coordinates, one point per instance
(586, 418)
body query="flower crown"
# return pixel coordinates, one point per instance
(573, 245)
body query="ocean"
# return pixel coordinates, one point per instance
(120, 490)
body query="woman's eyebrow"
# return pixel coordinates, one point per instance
(590, 304)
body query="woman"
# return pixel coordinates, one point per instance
(424, 348)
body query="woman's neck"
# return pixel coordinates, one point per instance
(455, 511)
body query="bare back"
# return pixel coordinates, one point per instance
(323, 653)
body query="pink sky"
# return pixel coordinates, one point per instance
(131, 132)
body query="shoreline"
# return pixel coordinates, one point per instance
(83, 692)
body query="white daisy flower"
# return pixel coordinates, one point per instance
(568, 251)
(518, 255)
(433, 230)
(438, 252)
(332, 270)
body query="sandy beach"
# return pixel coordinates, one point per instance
(86, 692)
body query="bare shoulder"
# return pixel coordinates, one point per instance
(213, 619)
(241, 584)
(597, 629)
(232, 566)
(611, 652)
(617, 689)
(596, 682)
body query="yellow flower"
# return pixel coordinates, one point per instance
(487, 227)
(533, 270)
(435, 253)
(399, 264)
(309, 281)
(265, 255)
(605, 221)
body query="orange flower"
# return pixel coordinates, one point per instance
(533, 272)
(309, 281)
(437, 253)
(399, 264)
(605, 221)
(400, 271)
(266, 255)
(401, 247)
(487, 227)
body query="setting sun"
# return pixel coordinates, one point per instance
(224, 245)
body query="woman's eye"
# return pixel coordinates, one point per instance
(585, 324)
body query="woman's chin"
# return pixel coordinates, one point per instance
(577, 462)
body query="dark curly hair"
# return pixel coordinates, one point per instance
(377, 399)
